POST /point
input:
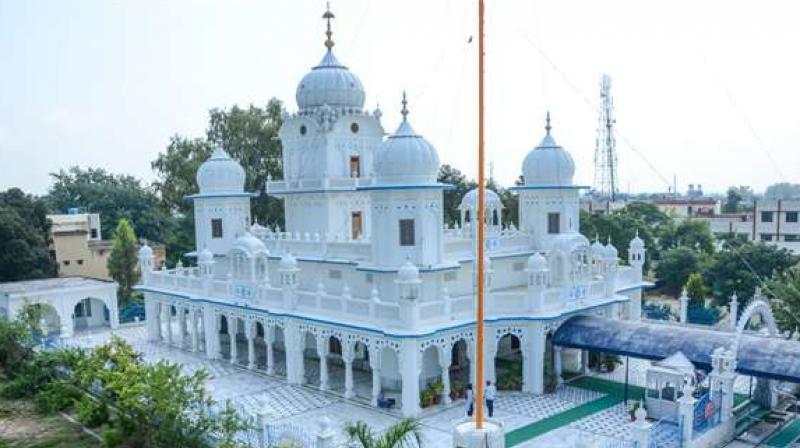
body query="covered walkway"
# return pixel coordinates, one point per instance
(764, 357)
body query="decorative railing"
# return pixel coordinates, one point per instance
(286, 185)
(372, 307)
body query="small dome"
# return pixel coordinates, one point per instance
(330, 83)
(598, 249)
(145, 252)
(288, 262)
(636, 243)
(220, 174)
(537, 263)
(470, 200)
(251, 245)
(408, 273)
(205, 256)
(611, 251)
(568, 242)
(406, 157)
(548, 164)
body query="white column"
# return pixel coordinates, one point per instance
(211, 330)
(181, 318)
(250, 332)
(169, 324)
(151, 315)
(294, 353)
(489, 354)
(233, 323)
(641, 429)
(157, 317)
(113, 310)
(409, 370)
(269, 337)
(322, 351)
(444, 363)
(686, 413)
(734, 311)
(347, 357)
(537, 347)
(375, 366)
(557, 367)
(684, 301)
(195, 333)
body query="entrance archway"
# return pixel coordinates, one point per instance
(90, 313)
(508, 363)
(460, 368)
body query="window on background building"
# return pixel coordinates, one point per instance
(216, 228)
(791, 237)
(93, 233)
(80, 262)
(766, 216)
(406, 232)
(791, 216)
(553, 223)
(766, 237)
(66, 262)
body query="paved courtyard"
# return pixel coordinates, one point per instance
(255, 393)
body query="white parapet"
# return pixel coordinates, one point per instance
(466, 435)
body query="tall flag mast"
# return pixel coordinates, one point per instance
(481, 229)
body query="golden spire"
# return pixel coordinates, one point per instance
(404, 110)
(328, 16)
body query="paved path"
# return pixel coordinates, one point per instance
(253, 392)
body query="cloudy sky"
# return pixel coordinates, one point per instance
(705, 91)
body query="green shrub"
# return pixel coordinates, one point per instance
(90, 412)
(56, 396)
(113, 437)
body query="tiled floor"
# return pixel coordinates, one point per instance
(254, 392)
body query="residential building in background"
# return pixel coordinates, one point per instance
(78, 246)
(771, 221)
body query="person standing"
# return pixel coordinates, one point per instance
(470, 400)
(490, 392)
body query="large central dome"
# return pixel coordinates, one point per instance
(330, 83)
(549, 164)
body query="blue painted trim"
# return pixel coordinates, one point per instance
(318, 190)
(469, 323)
(436, 186)
(224, 195)
(501, 256)
(380, 270)
(550, 187)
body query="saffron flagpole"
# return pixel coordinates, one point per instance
(480, 265)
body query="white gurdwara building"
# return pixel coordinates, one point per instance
(365, 291)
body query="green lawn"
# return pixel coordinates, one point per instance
(22, 427)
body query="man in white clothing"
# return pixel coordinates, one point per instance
(490, 392)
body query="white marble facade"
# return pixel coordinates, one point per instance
(364, 278)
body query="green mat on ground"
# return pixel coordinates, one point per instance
(785, 436)
(540, 427)
(615, 393)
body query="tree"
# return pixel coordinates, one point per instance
(177, 169)
(741, 266)
(123, 263)
(696, 290)
(23, 249)
(113, 196)
(249, 135)
(675, 267)
(400, 435)
(732, 201)
(621, 227)
(452, 198)
(647, 213)
(692, 233)
(783, 290)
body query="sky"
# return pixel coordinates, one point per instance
(704, 92)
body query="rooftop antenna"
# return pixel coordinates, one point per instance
(605, 151)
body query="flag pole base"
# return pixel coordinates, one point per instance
(466, 435)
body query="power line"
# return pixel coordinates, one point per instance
(592, 106)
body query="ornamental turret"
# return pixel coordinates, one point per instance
(636, 254)
(538, 280)
(146, 262)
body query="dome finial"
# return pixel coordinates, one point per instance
(404, 110)
(328, 16)
(547, 126)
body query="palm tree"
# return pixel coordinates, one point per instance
(399, 435)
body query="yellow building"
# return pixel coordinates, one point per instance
(79, 248)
